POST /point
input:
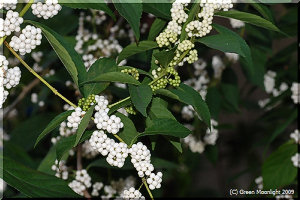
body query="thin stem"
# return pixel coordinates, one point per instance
(22, 13)
(38, 76)
(141, 186)
(121, 101)
(148, 190)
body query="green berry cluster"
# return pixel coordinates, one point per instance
(133, 72)
(161, 83)
(173, 81)
(130, 110)
(85, 103)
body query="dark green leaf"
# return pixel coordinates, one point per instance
(128, 133)
(132, 12)
(69, 57)
(158, 8)
(83, 124)
(231, 95)
(248, 18)
(101, 66)
(141, 97)
(213, 99)
(89, 4)
(133, 49)
(33, 183)
(278, 170)
(53, 124)
(165, 57)
(104, 164)
(113, 77)
(156, 27)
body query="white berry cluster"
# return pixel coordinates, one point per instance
(27, 41)
(11, 23)
(66, 131)
(9, 78)
(270, 83)
(75, 118)
(8, 4)
(88, 151)
(155, 180)
(47, 10)
(100, 142)
(116, 188)
(200, 28)
(97, 186)
(141, 159)
(296, 92)
(112, 124)
(295, 136)
(82, 182)
(196, 145)
(118, 152)
(132, 193)
(61, 170)
(296, 160)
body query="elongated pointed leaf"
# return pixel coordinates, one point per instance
(156, 27)
(53, 124)
(133, 49)
(83, 124)
(69, 57)
(248, 18)
(141, 97)
(33, 183)
(113, 77)
(129, 132)
(132, 12)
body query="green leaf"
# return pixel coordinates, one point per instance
(190, 96)
(133, 49)
(47, 162)
(165, 126)
(158, 8)
(53, 124)
(89, 4)
(156, 27)
(114, 108)
(113, 77)
(167, 93)
(101, 66)
(132, 12)
(33, 183)
(278, 170)
(229, 41)
(263, 10)
(16, 152)
(129, 132)
(165, 57)
(69, 57)
(83, 124)
(102, 163)
(65, 144)
(141, 97)
(25, 133)
(231, 95)
(248, 18)
(214, 99)
(160, 163)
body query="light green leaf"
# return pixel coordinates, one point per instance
(278, 170)
(33, 183)
(133, 49)
(53, 124)
(141, 97)
(113, 77)
(132, 12)
(248, 18)
(83, 124)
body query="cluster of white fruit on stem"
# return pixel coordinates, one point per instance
(9, 78)
(198, 27)
(46, 10)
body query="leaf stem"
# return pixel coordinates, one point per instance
(148, 190)
(38, 76)
(22, 13)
